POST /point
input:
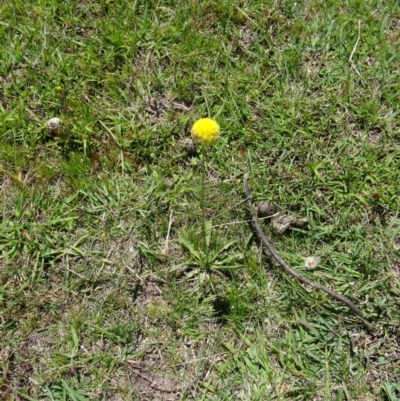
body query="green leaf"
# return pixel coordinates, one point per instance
(208, 228)
(177, 267)
(216, 253)
(189, 246)
(72, 393)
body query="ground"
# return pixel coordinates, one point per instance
(104, 289)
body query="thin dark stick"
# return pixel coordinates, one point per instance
(292, 272)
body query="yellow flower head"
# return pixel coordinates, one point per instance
(205, 131)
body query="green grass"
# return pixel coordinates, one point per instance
(101, 296)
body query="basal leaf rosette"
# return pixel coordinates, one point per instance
(205, 131)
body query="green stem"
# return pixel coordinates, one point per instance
(203, 209)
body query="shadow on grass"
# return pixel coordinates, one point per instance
(222, 308)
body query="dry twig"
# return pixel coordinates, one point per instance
(293, 272)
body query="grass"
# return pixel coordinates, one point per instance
(101, 295)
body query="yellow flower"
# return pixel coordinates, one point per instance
(205, 131)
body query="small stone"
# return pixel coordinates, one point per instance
(283, 222)
(300, 222)
(54, 125)
(266, 209)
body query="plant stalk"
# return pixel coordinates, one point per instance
(203, 209)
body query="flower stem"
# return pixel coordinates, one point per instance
(202, 205)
